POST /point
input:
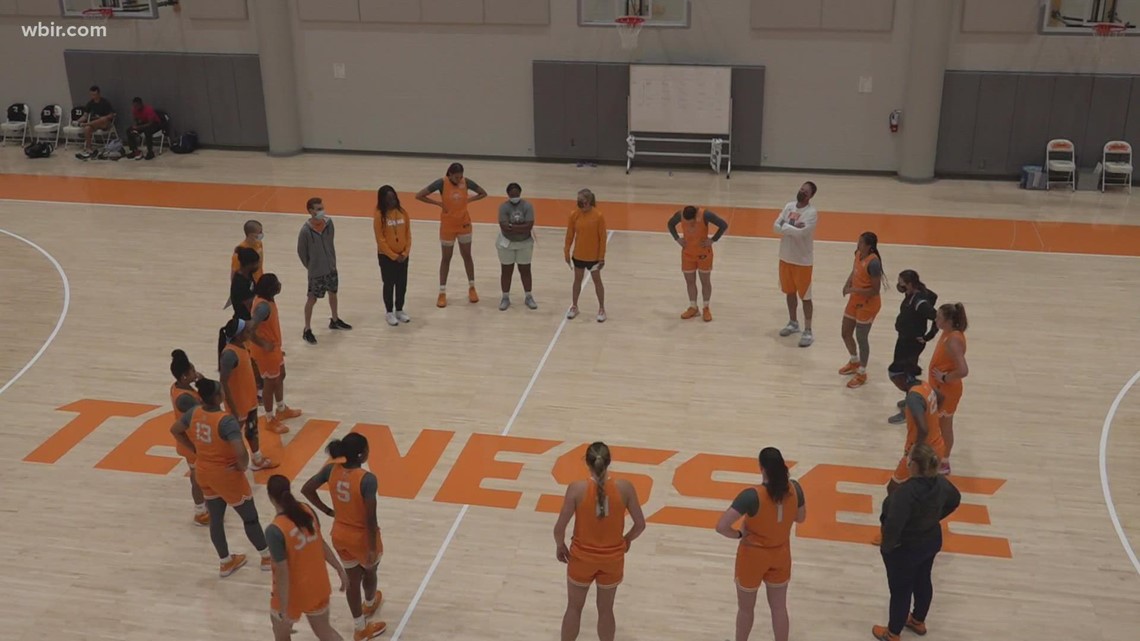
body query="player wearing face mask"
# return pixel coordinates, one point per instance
(916, 327)
(697, 253)
(796, 227)
(316, 248)
(515, 244)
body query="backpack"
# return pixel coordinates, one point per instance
(77, 113)
(48, 117)
(113, 150)
(185, 144)
(17, 113)
(39, 150)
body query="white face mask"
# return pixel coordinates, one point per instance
(515, 200)
(261, 236)
(320, 215)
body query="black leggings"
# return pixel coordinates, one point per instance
(908, 576)
(395, 277)
(248, 513)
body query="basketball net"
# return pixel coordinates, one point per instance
(628, 28)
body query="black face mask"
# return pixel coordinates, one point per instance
(901, 288)
(801, 197)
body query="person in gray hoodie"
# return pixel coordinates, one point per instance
(911, 538)
(317, 250)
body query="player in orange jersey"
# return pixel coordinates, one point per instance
(240, 387)
(585, 250)
(299, 552)
(265, 347)
(764, 554)
(947, 369)
(864, 301)
(597, 549)
(184, 398)
(454, 224)
(213, 435)
(697, 253)
(254, 234)
(355, 532)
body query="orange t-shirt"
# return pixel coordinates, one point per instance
(242, 383)
(454, 199)
(944, 361)
(348, 500)
(586, 233)
(305, 556)
(595, 538)
(214, 452)
(177, 393)
(933, 427)
(268, 330)
(861, 275)
(695, 232)
(393, 235)
(256, 246)
(771, 527)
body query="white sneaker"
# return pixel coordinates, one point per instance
(403, 317)
(391, 318)
(807, 339)
(572, 313)
(601, 315)
(530, 302)
(791, 328)
(504, 303)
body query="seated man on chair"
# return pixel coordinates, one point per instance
(100, 117)
(147, 123)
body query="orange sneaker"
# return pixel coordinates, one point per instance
(276, 426)
(689, 313)
(471, 295)
(849, 368)
(441, 301)
(707, 315)
(374, 629)
(369, 610)
(202, 518)
(287, 413)
(857, 380)
(229, 567)
(881, 633)
(918, 627)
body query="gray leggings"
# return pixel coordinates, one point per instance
(248, 513)
(862, 334)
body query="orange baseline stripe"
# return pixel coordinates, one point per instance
(932, 231)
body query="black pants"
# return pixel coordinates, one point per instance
(394, 274)
(908, 575)
(147, 131)
(905, 363)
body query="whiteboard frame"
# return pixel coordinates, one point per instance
(629, 101)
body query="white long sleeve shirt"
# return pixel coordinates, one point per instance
(797, 244)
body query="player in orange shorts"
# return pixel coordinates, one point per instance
(239, 387)
(863, 289)
(454, 224)
(947, 369)
(299, 552)
(184, 398)
(597, 549)
(585, 250)
(265, 347)
(213, 435)
(764, 554)
(355, 532)
(697, 253)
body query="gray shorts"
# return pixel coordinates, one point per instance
(517, 252)
(321, 284)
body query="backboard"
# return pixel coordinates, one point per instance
(657, 13)
(136, 9)
(1077, 17)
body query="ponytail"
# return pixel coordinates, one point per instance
(598, 459)
(179, 364)
(353, 448)
(776, 471)
(955, 314)
(278, 489)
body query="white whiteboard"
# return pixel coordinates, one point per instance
(680, 99)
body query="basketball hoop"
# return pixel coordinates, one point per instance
(628, 27)
(1109, 29)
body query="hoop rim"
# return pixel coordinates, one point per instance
(1109, 28)
(99, 12)
(629, 21)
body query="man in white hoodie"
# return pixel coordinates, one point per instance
(796, 227)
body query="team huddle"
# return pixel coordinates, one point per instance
(217, 419)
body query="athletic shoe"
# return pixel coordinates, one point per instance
(202, 518)
(707, 315)
(897, 419)
(944, 469)
(901, 404)
(276, 426)
(471, 295)
(308, 336)
(791, 328)
(403, 316)
(572, 313)
(391, 318)
(149, 155)
(690, 313)
(918, 627)
(266, 563)
(372, 630)
(336, 323)
(601, 315)
(441, 302)
(264, 463)
(369, 610)
(881, 633)
(807, 338)
(504, 303)
(530, 303)
(229, 567)
(849, 368)
(84, 155)
(857, 380)
(285, 413)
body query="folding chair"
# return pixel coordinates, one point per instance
(48, 128)
(1116, 165)
(15, 125)
(1061, 163)
(73, 130)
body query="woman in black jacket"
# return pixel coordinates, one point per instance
(916, 327)
(911, 538)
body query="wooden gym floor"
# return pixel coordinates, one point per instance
(475, 415)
